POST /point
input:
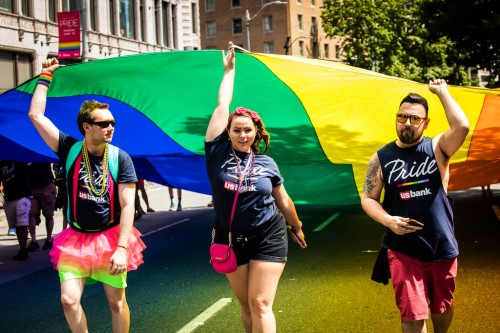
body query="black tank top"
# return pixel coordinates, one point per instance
(414, 189)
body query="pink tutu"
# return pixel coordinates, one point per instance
(94, 250)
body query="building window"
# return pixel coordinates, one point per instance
(211, 29)
(209, 5)
(68, 5)
(173, 25)
(143, 18)
(51, 10)
(301, 47)
(194, 17)
(313, 3)
(25, 8)
(237, 26)
(314, 26)
(164, 23)
(92, 14)
(111, 12)
(299, 17)
(327, 51)
(6, 6)
(235, 3)
(15, 68)
(268, 23)
(268, 47)
(315, 50)
(127, 14)
(337, 52)
(299, 2)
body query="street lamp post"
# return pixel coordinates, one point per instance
(288, 45)
(248, 18)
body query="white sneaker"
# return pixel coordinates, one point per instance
(171, 206)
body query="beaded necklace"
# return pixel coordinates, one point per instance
(88, 169)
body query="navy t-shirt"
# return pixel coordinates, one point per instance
(40, 174)
(255, 204)
(14, 176)
(93, 212)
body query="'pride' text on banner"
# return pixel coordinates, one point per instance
(69, 34)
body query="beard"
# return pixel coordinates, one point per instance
(407, 136)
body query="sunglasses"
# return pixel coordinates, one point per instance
(104, 124)
(414, 120)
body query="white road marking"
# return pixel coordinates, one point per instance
(205, 315)
(165, 227)
(327, 222)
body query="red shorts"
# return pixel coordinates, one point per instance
(141, 182)
(420, 285)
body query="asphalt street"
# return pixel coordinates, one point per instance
(325, 288)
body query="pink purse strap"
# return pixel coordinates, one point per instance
(241, 176)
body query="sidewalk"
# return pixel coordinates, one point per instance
(11, 269)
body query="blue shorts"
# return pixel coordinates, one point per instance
(268, 242)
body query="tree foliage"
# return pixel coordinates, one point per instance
(405, 38)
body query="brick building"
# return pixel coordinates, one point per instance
(279, 27)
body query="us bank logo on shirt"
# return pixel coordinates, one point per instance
(399, 170)
(407, 195)
(233, 187)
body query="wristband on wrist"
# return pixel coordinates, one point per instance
(122, 246)
(45, 79)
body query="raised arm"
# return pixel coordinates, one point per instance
(218, 122)
(48, 131)
(454, 137)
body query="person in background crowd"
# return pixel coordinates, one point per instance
(43, 201)
(17, 192)
(62, 191)
(179, 199)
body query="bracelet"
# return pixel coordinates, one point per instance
(45, 79)
(296, 227)
(122, 246)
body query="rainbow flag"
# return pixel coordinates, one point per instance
(326, 119)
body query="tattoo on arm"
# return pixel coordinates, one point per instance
(372, 175)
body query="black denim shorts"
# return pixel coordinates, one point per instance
(267, 243)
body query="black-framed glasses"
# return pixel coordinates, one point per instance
(414, 120)
(104, 124)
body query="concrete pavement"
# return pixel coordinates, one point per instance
(159, 200)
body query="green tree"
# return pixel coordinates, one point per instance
(474, 28)
(389, 36)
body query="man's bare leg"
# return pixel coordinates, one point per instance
(71, 294)
(120, 312)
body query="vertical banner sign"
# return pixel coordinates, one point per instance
(69, 34)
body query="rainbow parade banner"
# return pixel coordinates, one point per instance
(69, 34)
(326, 119)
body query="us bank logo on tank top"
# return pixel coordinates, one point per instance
(400, 171)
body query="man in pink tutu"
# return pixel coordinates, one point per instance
(101, 243)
